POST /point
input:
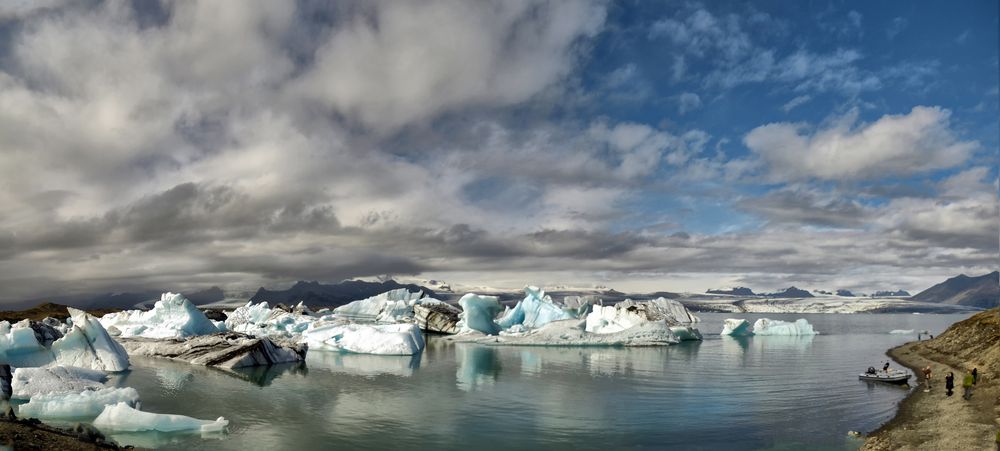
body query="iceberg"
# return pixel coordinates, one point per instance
(629, 313)
(172, 316)
(226, 350)
(437, 317)
(261, 320)
(536, 310)
(27, 383)
(86, 404)
(478, 313)
(391, 306)
(766, 326)
(736, 327)
(902, 331)
(572, 332)
(88, 345)
(123, 418)
(382, 339)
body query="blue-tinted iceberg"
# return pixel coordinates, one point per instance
(27, 383)
(19, 346)
(766, 326)
(736, 327)
(536, 310)
(123, 418)
(88, 345)
(173, 316)
(86, 404)
(478, 313)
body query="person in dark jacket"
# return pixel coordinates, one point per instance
(975, 375)
(949, 382)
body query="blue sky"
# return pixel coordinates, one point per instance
(638, 145)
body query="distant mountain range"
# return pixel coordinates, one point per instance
(790, 292)
(125, 300)
(318, 294)
(982, 291)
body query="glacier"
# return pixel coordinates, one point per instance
(86, 404)
(123, 418)
(29, 382)
(381, 339)
(85, 344)
(736, 327)
(766, 326)
(173, 316)
(478, 313)
(227, 350)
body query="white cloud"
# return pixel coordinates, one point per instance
(896, 27)
(687, 102)
(919, 141)
(406, 62)
(795, 102)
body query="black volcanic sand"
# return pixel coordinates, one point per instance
(29, 435)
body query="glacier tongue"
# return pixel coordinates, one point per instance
(29, 382)
(226, 350)
(172, 316)
(123, 418)
(86, 404)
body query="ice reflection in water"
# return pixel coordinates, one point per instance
(363, 364)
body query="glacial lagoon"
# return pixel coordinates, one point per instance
(724, 393)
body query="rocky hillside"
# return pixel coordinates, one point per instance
(975, 341)
(982, 291)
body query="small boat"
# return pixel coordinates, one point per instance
(890, 377)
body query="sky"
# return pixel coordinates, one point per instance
(635, 145)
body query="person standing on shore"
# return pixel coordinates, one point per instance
(975, 375)
(927, 378)
(967, 385)
(949, 382)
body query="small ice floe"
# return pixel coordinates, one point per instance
(765, 326)
(123, 418)
(736, 327)
(86, 404)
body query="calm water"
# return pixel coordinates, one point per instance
(722, 393)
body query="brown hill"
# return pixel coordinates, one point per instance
(972, 342)
(48, 309)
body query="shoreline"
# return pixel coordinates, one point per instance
(19, 434)
(932, 420)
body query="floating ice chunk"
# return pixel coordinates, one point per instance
(902, 331)
(536, 310)
(88, 345)
(261, 320)
(686, 333)
(86, 404)
(572, 332)
(383, 339)
(766, 326)
(478, 313)
(736, 327)
(123, 418)
(19, 346)
(391, 306)
(30, 382)
(629, 313)
(437, 317)
(172, 316)
(222, 350)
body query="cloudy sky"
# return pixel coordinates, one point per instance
(637, 145)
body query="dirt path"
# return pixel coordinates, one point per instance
(934, 421)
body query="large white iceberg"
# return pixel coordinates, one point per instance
(391, 306)
(173, 316)
(766, 326)
(536, 310)
(383, 339)
(572, 332)
(27, 383)
(123, 418)
(261, 320)
(736, 327)
(86, 344)
(478, 313)
(86, 404)
(627, 314)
